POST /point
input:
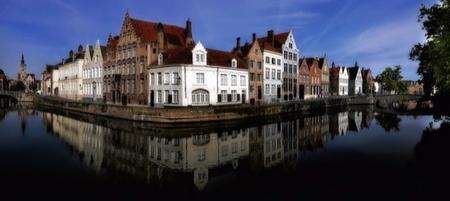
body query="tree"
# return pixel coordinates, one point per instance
(391, 80)
(17, 86)
(434, 55)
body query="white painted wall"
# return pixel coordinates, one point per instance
(71, 80)
(188, 83)
(272, 81)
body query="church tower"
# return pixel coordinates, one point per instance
(22, 70)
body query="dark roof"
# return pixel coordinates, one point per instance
(279, 40)
(352, 72)
(183, 55)
(148, 31)
(335, 70)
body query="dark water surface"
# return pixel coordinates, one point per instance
(352, 155)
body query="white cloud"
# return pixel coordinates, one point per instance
(384, 45)
(394, 36)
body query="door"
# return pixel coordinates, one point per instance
(279, 92)
(302, 92)
(152, 98)
(259, 93)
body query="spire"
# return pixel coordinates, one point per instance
(127, 14)
(22, 61)
(356, 64)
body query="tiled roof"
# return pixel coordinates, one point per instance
(112, 41)
(214, 57)
(279, 40)
(148, 31)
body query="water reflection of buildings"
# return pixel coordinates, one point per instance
(199, 159)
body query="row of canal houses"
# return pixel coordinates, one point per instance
(159, 64)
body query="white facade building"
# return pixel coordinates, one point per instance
(272, 74)
(55, 82)
(92, 72)
(339, 81)
(355, 81)
(197, 77)
(290, 66)
(70, 83)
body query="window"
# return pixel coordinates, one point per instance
(285, 55)
(175, 78)
(222, 96)
(242, 80)
(233, 80)
(160, 59)
(201, 155)
(166, 96)
(279, 62)
(259, 64)
(234, 95)
(200, 97)
(285, 67)
(290, 45)
(175, 96)
(252, 64)
(267, 73)
(200, 78)
(273, 61)
(267, 60)
(267, 89)
(278, 74)
(166, 78)
(233, 63)
(274, 89)
(295, 57)
(290, 68)
(197, 57)
(252, 76)
(273, 74)
(223, 79)
(290, 55)
(159, 79)
(159, 100)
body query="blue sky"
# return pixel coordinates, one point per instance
(375, 33)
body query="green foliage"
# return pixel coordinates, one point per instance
(391, 80)
(434, 55)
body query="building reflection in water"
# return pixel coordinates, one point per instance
(198, 159)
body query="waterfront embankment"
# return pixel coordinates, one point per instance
(216, 113)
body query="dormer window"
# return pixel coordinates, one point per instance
(234, 63)
(199, 55)
(160, 59)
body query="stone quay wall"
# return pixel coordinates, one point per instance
(211, 113)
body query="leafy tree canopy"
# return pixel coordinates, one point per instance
(391, 80)
(434, 55)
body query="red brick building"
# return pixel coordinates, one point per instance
(304, 80)
(137, 46)
(315, 74)
(253, 57)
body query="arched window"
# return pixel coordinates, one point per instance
(160, 59)
(233, 63)
(200, 97)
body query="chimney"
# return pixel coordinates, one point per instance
(253, 37)
(238, 43)
(188, 28)
(271, 37)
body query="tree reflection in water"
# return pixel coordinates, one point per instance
(389, 122)
(431, 162)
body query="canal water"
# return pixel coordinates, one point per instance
(357, 154)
